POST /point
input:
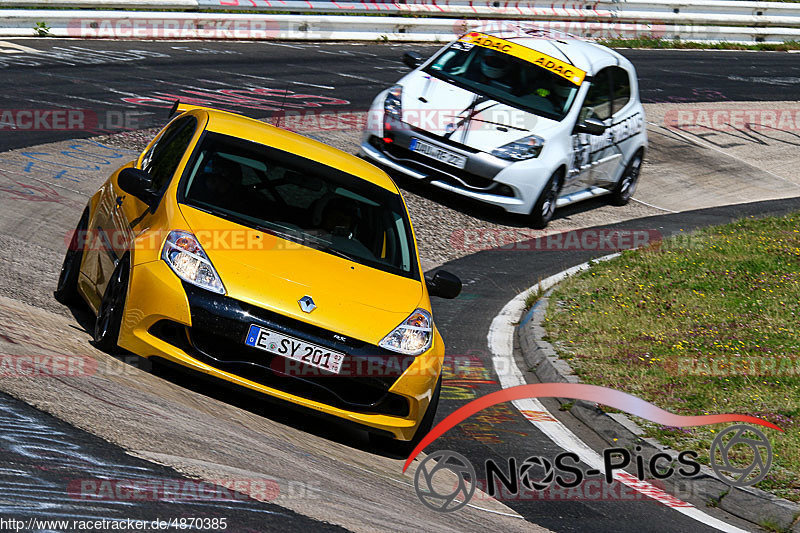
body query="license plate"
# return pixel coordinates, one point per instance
(439, 154)
(294, 348)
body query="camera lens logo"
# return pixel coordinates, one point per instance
(463, 486)
(536, 462)
(727, 452)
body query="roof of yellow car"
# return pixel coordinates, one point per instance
(263, 133)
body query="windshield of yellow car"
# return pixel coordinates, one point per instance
(505, 78)
(301, 200)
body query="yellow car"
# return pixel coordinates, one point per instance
(269, 260)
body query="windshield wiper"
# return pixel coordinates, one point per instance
(304, 238)
(327, 246)
(290, 234)
(471, 111)
(338, 253)
(499, 124)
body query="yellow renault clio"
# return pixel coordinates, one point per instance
(268, 260)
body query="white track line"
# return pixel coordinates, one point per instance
(704, 144)
(312, 85)
(14, 48)
(501, 345)
(654, 206)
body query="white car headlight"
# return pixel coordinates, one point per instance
(413, 336)
(186, 258)
(526, 148)
(392, 105)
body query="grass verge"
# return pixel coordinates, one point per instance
(657, 42)
(702, 323)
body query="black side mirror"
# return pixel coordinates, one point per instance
(138, 183)
(592, 126)
(412, 59)
(444, 285)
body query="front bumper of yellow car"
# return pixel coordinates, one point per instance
(382, 391)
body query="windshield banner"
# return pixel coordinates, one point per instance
(556, 66)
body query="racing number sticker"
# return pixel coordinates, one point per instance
(556, 66)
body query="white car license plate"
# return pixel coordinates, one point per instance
(440, 154)
(294, 348)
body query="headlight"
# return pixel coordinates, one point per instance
(186, 258)
(413, 336)
(393, 106)
(527, 148)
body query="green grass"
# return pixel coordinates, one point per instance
(533, 295)
(657, 42)
(683, 324)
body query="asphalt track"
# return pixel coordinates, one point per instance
(494, 277)
(42, 455)
(98, 76)
(491, 278)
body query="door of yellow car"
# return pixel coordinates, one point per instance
(123, 216)
(97, 257)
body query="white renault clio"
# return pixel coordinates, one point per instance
(522, 119)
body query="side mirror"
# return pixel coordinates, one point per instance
(592, 126)
(138, 183)
(412, 59)
(444, 285)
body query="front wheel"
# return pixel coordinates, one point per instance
(545, 206)
(626, 185)
(67, 288)
(109, 318)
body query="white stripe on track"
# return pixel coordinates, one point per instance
(501, 345)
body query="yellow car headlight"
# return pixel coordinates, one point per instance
(184, 255)
(413, 336)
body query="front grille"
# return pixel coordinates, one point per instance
(217, 339)
(443, 140)
(359, 394)
(456, 177)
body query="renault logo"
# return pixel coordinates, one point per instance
(307, 304)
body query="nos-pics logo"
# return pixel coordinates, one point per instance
(446, 481)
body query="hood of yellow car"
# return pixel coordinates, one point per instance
(352, 299)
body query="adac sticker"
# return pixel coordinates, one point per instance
(556, 66)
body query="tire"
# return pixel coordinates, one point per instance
(626, 185)
(401, 447)
(109, 317)
(545, 205)
(67, 288)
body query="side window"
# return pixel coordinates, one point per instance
(162, 159)
(622, 88)
(598, 99)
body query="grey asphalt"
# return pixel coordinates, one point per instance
(494, 277)
(51, 471)
(96, 76)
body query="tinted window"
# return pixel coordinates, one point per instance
(303, 201)
(505, 78)
(162, 159)
(621, 86)
(597, 103)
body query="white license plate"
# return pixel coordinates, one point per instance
(440, 154)
(294, 348)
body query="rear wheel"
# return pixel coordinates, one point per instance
(403, 448)
(67, 288)
(626, 185)
(109, 318)
(545, 206)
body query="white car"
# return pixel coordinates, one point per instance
(524, 120)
